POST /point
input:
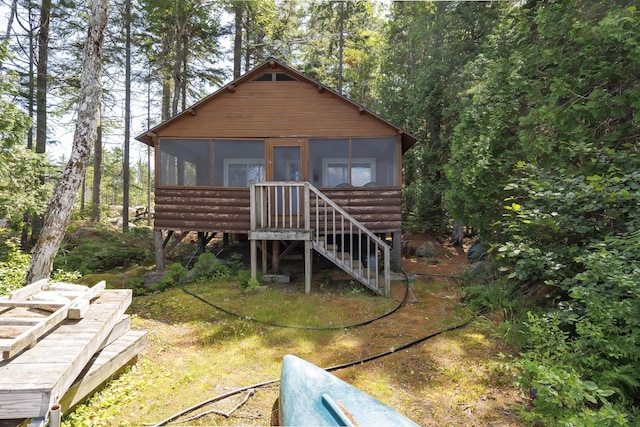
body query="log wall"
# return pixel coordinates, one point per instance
(227, 210)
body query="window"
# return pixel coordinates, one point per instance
(353, 162)
(237, 163)
(204, 162)
(275, 77)
(184, 162)
(242, 172)
(337, 172)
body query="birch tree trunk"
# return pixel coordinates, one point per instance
(64, 196)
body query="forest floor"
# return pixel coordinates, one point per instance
(195, 352)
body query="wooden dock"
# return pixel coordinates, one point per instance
(69, 360)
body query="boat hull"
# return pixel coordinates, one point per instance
(311, 396)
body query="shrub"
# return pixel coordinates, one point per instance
(14, 269)
(174, 277)
(95, 250)
(210, 267)
(245, 281)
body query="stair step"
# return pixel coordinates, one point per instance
(353, 267)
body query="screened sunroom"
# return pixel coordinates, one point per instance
(324, 162)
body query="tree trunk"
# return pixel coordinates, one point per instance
(340, 47)
(66, 191)
(127, 119)
(14, 8)
(41, 95)
(238, 8)
(24, 237)
(97, 173)
(457, 236)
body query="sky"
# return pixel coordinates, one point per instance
(61, 129)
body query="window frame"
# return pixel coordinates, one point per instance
(326, 162)
(243, 161)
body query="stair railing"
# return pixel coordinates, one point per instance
(286, 205)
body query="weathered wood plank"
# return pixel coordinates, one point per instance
(32, 395)
(41, 305)
(18, 321)
(103, 366)
(28, 290)
(28, 337)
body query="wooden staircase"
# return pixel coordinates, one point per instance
(292, 210)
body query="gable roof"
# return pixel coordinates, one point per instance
(408, 140)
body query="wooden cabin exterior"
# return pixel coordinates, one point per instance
(275, 125)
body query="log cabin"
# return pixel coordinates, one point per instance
(284, 160)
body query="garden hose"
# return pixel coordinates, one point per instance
(330, 369)
(310, 328)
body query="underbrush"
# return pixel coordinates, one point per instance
(14, 264)
(99, 248)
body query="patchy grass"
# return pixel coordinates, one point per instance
(196, 352)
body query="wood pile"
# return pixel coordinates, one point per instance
(59, 342)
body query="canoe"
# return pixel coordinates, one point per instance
(311, 396)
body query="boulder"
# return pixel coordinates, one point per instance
(426, 250)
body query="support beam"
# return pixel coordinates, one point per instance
(176, 241)
(159, 252)
(307, 266)
(396, 251)
(264, 257)
(254, 259)
(275, 257)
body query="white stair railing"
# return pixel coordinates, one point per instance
(293, 205)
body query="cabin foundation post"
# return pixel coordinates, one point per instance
(275, 257)
(254, 259)
(264, 257)
(307, 266)
(396, 251)
(158, 250)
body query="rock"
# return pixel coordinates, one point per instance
(480, 271)
(477, 252)
(426, 250)
(152, 278)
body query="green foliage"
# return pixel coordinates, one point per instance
(13, 267)
(553, 373)
(95, 249)
(21, 190)
(101, 408)
(545, 160)
(246, 283)
(429, 43)
(66, 276)
(360, 24)
(174, 277)
(575, 230)
(533, 90)
(210, 268)
(560, 211)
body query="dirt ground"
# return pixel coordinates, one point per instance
(457, 378)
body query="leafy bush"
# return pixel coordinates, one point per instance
(209, 267)
(174, 277)
(245, 281)
(97, 249)
(13, 270)
(576, 231)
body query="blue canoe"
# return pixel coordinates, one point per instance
(311, 396)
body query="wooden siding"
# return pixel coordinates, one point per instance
(277, 109)
(206, 209)
(380, 210)
(227, 209)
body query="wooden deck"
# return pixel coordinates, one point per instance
(75, 356)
